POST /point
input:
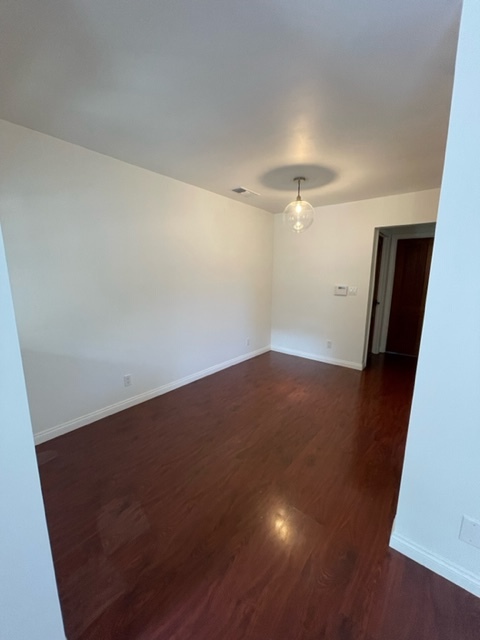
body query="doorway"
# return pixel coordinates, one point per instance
(412, 268)
(398, 289)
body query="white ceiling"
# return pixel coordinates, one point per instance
(223, 93)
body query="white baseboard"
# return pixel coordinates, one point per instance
(449, 570)
(82, 421)
(310, 356)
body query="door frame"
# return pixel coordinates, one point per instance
(382, 286)
(391, 236)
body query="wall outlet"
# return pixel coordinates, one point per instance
(470, 531)
(127, 380)
(329, 344)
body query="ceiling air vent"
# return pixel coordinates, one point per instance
(246, 193)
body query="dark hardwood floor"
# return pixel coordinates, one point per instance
(254, 504)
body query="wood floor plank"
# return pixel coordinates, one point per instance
(255, 504)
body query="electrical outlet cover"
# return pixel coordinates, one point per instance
(470, 531)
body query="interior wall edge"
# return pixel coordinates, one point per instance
(312, 356)
(89, 418)
(436, 563)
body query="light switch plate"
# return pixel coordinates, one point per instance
(341, 290)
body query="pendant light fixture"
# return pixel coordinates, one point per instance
(298, 215)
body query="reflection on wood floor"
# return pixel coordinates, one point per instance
(254, 504)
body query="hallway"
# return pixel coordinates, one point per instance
(253, 504)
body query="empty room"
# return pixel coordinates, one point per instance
(239, 320)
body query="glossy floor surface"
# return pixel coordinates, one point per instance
(254, 504)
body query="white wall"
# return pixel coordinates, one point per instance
(29, 606)
(337, 249)
(441, 475)
(118, 270)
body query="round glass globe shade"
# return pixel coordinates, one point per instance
(298, 215)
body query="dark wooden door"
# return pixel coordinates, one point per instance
(412, 268)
